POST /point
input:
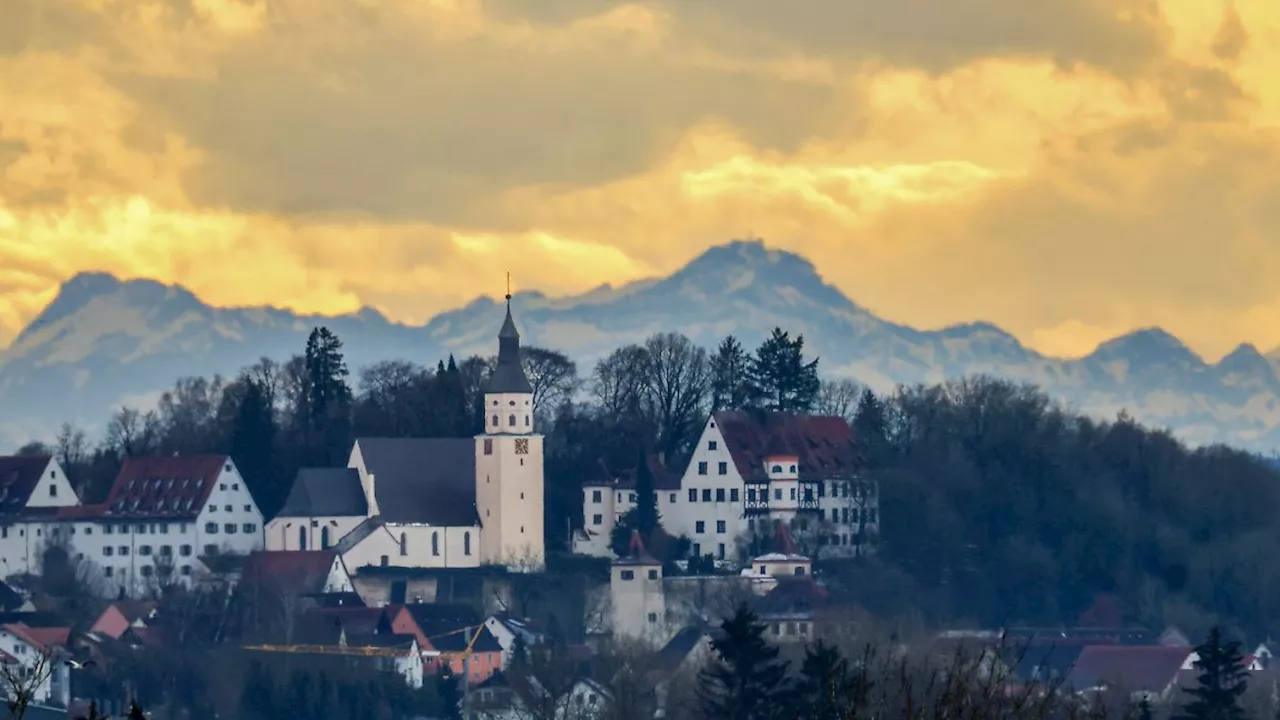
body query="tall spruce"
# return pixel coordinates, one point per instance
(781, 378)
(746, 681)
(1221, 682)
(827, 688)
(731, 387)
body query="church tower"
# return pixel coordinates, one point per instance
(509, 481)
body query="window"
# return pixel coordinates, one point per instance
(628, 575)
(719, 494)
(212, 528)
(404, 545)
(229, 528)
(720, 526)
(702, 468)
(723, 468)
(596, 496)
(435, 543)
(488, 446)
(53, 490)
(699, 527)
(466, 543)
(185, 551)
(733, 495)
(653, 574)
(597, 519)
(706, 495)
(693, 495)
(108, 551)
(712, 445)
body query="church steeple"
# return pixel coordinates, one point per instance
(508, 376)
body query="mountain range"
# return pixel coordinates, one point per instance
(104, 342)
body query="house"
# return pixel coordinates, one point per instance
(40, 654)
(122, 615)
(434, 502)
(451, 636)
(750, 471)
(160, 514)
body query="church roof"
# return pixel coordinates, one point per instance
(423, 480)
(508, 376)
(325, 492)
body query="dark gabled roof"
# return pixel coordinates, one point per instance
(423, 480)
(19, 475)
(303, 571)
(822, 444)
(1129, 667)
(325, 492)
(508, 375)
(161, 487)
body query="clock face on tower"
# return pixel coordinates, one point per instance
(522, 446)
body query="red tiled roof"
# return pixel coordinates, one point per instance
(1134, 668)
(174, 487)
(823, 444)
(303, 570)
(19, 476)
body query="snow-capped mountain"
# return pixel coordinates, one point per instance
(105, 342)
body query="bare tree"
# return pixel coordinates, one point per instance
(677, 386)
(838, 398)
(554, 377)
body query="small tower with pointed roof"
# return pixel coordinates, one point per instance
(509, 462)
(636, 591)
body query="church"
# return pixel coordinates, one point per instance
(432, 502)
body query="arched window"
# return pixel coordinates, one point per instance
(435, 543)
(404, 545)
(324, 538)
(512, 421)
(466, 543)
(302, 537)
(495, 421)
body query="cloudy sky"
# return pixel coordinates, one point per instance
(1069, 169)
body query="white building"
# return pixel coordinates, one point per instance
(750, 471)
(433, 502)
(160, 515)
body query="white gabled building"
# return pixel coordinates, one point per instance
(160, 515)
(751, 470)
(433, 502)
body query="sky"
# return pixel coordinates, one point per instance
(1067, 169)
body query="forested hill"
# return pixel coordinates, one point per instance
(998, 506)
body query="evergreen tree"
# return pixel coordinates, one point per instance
(871, 433)
(731, 387)
(252, 440)
(747, 681)
(827, 689)
(781, 378)
(1221, 682)
(450, 698)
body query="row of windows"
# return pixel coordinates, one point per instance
(700, 527)
(165, 550)
(229, 528)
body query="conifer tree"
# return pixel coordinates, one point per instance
(781, 378)
(746, 681)
(1221, 682)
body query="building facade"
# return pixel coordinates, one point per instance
(751, 471)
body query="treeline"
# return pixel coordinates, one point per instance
(998, 506)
